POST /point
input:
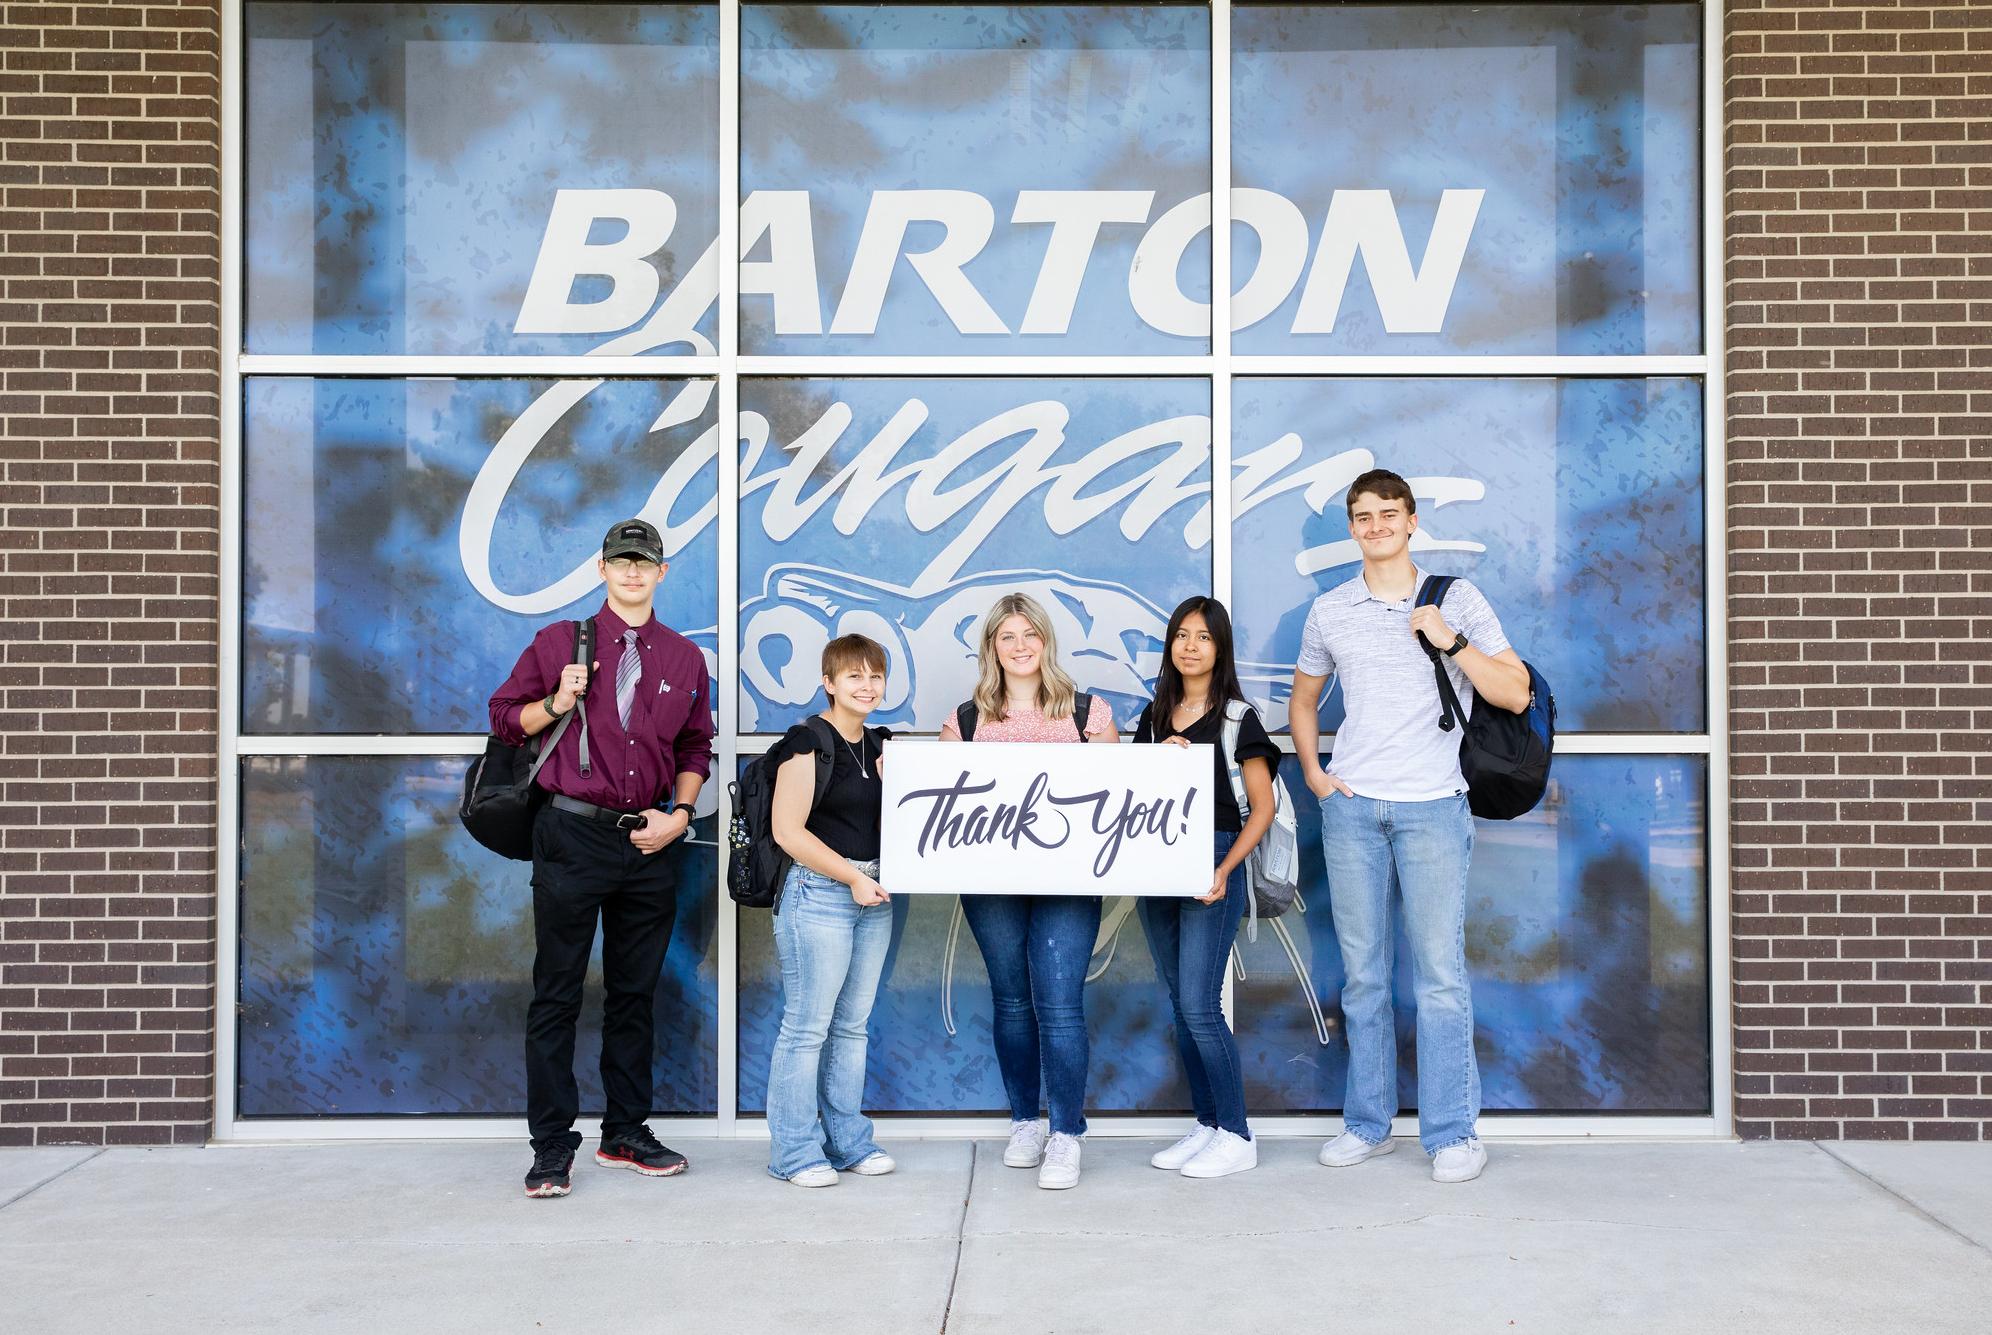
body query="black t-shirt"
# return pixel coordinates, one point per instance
(1252, 743)
(847, 818)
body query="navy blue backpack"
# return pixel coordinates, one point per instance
(1504, 757)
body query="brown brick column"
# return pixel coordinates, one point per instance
(1859, 218)
(109, 385)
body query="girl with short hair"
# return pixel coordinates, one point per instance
(833, 925)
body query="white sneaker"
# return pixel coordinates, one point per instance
(1026, 1147)
(1226, 1154)
(1459, 1163)
(816, 1175)
(1185, 1149)
(1061, 1163)
(876, 1164)
(1349, 1149)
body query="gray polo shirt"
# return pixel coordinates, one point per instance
(1390, 747)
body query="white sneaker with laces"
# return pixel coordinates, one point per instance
(876, 1164)
(816, 1175)
(1061, 1163)
(1459, 1163)
(1226, 1154)
(1349, 1149)
(1026, 1147)
(1185, 1149)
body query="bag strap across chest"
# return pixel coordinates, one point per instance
(584, 653)
(1432, 593)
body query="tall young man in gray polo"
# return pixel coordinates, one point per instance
(598, 846)
(1394, 818)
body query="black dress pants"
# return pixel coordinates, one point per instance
(582, 869)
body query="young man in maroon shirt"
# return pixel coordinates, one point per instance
(598, 849)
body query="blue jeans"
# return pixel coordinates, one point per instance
(1037, 949)
(1191, 943)
(1421, 851)
(832, 951)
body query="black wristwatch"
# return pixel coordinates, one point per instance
(1457, 645)
(551, 712)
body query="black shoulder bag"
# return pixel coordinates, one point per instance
(500, 798)
(1503, 757)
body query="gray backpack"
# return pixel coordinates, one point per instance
(1272, 871)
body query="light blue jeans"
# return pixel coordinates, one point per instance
(1420, 850)
(831, 951)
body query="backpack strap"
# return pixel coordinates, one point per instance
(1432, 594)
(966, 715)
(584, 645)
(584, 654)
(826, 756)
(1234, 722)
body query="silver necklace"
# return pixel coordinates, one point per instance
(857, 752)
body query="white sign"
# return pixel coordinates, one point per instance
(1046, 818)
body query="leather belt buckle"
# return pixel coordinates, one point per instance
(629, 820)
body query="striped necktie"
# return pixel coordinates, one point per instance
(627, 672)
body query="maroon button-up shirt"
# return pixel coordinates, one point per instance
(670, 722)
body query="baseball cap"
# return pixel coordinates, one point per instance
(633, 537)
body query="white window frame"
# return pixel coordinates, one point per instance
(1221, 367)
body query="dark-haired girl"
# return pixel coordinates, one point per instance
(1191, 938)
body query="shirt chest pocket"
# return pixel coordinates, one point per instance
(670, 704)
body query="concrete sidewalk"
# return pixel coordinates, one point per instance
(437, 1237)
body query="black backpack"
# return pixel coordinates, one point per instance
(500, 798)
(1504, 757)
(756, 866)
(966, 715)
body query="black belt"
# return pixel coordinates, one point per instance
(622, 820)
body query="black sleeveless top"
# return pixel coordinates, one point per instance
(847, 818)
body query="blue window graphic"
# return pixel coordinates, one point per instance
(403, 539)
(902, 509)
(1506, 179)
(431, 179)
(948, 183)
(1045, 171)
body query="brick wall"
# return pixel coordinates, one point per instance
(1859, 169)
(109, 294)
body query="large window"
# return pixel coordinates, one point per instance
(879, 312)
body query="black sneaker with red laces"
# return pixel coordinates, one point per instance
(640, 1151)
(549, 1173)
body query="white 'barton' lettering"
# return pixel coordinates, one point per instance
(1359, 224)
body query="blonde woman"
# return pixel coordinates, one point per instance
(1036, 946)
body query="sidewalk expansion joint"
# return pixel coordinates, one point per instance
(961, 1234)
(1969, 1241)
(21, 1196)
